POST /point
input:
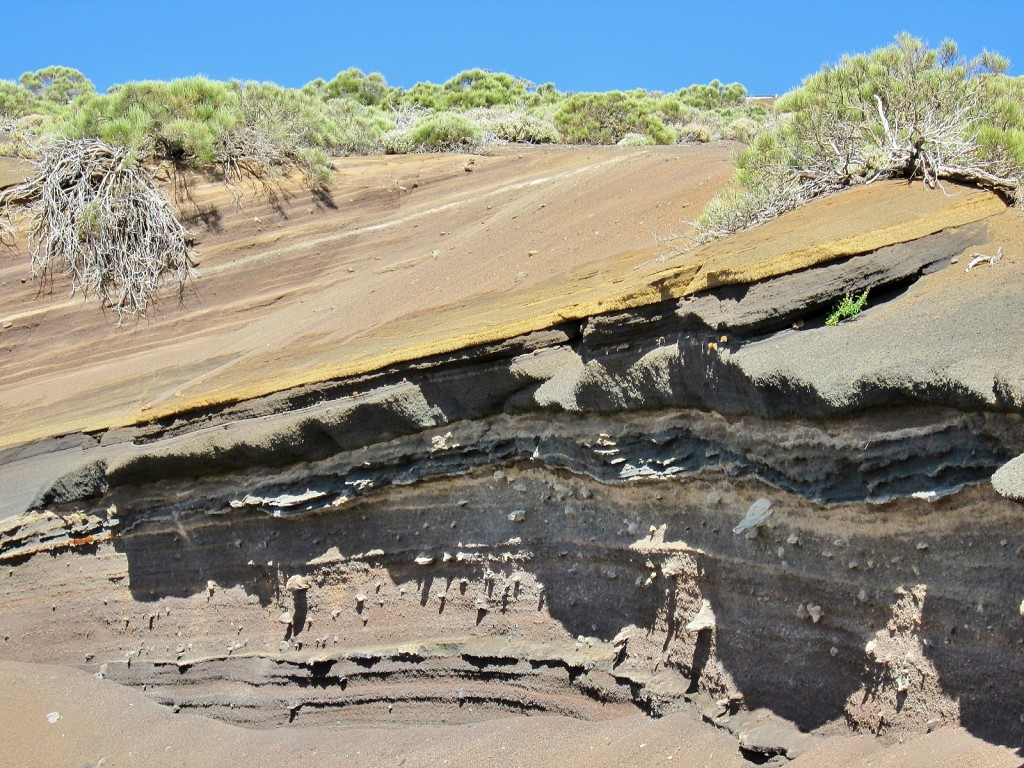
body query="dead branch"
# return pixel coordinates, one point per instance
(980, 258)
(99, 218)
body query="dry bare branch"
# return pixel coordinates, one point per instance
(99, 218)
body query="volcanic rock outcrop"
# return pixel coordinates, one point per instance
(526, 497)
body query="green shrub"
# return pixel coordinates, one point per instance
(279, 129)
(694, 133)
(481, 88)
(634, 140)
(57, 85)
(545, 95)
(516, 125)
(397, 141)
(445, 131)
(604, 118)
(742, 129)
(368, 90)
(475, 88)
(259, 129)
(424, 96)
(361, 128)
(901, 111)
(904, 111)
(16, 101)
(673, 111)
(180, 121)
(714, 95)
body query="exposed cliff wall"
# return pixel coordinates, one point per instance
(546, 523)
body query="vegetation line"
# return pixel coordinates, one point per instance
(904, 111)
(99, 216)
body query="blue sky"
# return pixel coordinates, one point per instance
(768, 46)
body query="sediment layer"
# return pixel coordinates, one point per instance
(551, 522)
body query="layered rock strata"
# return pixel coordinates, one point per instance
(554, 523)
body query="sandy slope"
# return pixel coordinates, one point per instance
(417, 257)
(298, 294)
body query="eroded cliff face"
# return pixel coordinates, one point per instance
(554, 523)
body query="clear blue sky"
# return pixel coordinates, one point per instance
(768, 46)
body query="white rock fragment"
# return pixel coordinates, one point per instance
(285, 618)
(705, 618)
(869, 649)
(283, 501)
(801, 611)
(53, 717)
(424, 560)
(297, 583)
(444, 442)
(814, 611)
(517, 515)
(756, 516)
(360, 598)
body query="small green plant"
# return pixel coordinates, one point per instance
(848, 308)
(446, 132)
